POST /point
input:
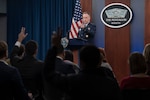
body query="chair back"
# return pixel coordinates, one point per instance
(135, 94)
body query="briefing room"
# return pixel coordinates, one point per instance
(74, 49)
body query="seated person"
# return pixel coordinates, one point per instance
(69, 59)
(146, 53)
(105, 62)
(61, 66)
(29, 66)
(137, 85)
(20, 53)
(11, 84)
(138, 78)
(54, 93)
(105, 65)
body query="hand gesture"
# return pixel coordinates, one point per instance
(81, 25)
(56, 38)
(22, 34)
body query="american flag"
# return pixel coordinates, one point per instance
(76, 20)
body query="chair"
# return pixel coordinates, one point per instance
(135, 94)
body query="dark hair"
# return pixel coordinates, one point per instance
(137, 63)
(86, 13)
(102, 51)
(146, 52)
(3, 49)
(68, 55)
(90, 55)
(60, 49)
(31, 47)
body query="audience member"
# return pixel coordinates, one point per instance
(54, 93)
(105, 65)
(138, 78)
(69, 59)
(61, 66)
(20, 53)
(105, 61)
(29, 66)
(137, 85)
(11, 85)
(89, 84)
(146, 53)
(87, 29)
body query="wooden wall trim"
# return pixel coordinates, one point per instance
(86, 6)
(117, 46)
(147, 22)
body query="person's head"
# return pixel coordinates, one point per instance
(137, 63)
(102, 51)
(31, 48)
(3, 50)
(21, 50)
(86, 18)
(68, 55)
(90, 57)
(146, 52)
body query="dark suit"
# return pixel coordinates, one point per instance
(30, 69)
(11, 86)
(89, 30)
(63, 67)
(55, 93)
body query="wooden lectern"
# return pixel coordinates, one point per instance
(75, 45)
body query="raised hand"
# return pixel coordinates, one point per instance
(22, 34)
(81, 25)
(56, 38)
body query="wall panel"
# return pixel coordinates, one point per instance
(147, 21)
(117, 46)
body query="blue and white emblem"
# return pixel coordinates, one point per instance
(64, 42)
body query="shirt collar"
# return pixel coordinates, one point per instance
(59, 57)
(4, 62)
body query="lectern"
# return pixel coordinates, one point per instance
(75, 45)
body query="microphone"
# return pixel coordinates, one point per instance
(67, 34)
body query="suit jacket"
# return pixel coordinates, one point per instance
(55, 93)
(30, 69)
(75, 66)
(11, 85)
(63, 67)
(89, 30)
(89, 84)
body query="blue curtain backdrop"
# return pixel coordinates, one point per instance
(40, 17)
